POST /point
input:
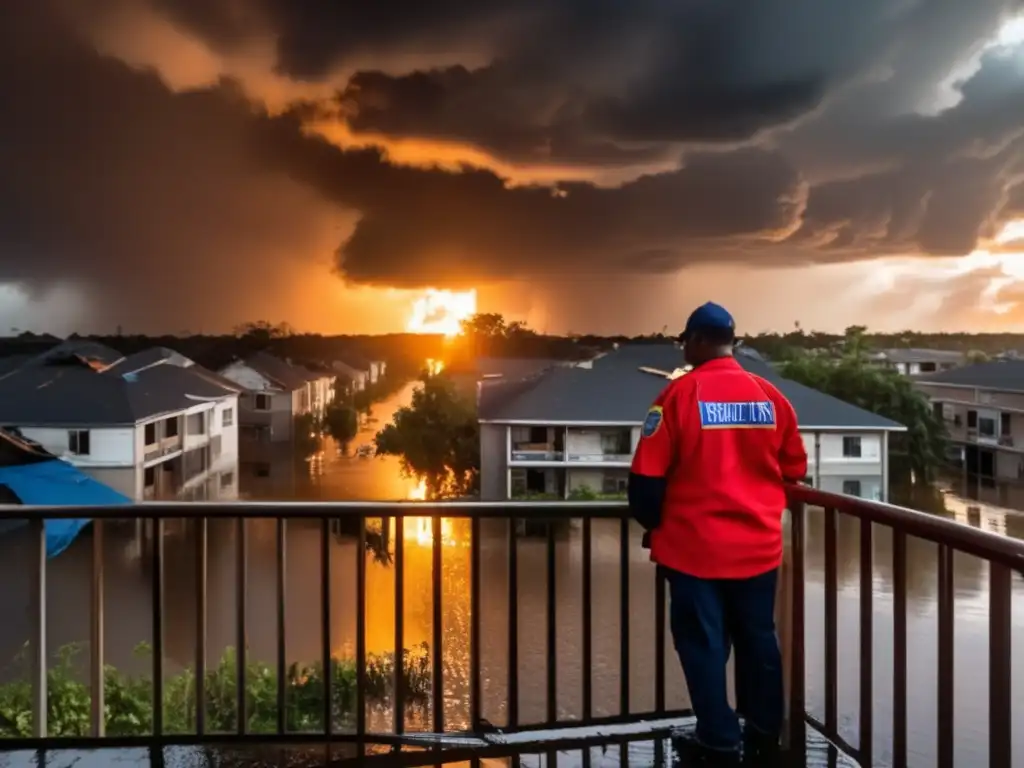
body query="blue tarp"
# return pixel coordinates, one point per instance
(56, 483)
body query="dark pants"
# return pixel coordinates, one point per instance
(709, 615)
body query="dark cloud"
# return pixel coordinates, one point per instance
(789, 131)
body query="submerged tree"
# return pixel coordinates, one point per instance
(437, 438)
(341, 422)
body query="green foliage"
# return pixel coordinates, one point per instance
(885, 392)
(586, 493)
(437, 438)
(129, 699)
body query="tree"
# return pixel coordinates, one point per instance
(437, 438)
(882, 391)
(260, 334)
(341, 422)
(488, 325)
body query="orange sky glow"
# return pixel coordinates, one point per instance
(980, 291)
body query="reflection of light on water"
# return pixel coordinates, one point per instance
(421, 529)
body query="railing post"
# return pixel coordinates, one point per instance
(790, 624)
(97, 711)
(784, 628)
(37, 612)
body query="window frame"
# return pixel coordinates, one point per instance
(75, 442)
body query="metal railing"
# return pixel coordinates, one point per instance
(154, 516)
(1005, 556)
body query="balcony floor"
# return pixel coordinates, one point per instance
(638, 744)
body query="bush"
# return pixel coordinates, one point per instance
(129, 699)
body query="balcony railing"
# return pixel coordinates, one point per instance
(536, 452)
(599, 458)
(655, 719)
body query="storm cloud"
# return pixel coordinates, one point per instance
(658, 135)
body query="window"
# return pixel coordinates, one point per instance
(938, 410)
(972, 419)
(171, 428)
(957, 421)
(149, 477)
(851, 447)
(227, 417)
(928, 367)
(986, 427)
(614, 482)
(150, 433)
(227, 479)
(1005, 426)
(262, 402)
(78, 442)
(851, 487)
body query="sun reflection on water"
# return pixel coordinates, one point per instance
(420, 530)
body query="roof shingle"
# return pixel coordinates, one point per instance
(1006, 375)
(616, 390)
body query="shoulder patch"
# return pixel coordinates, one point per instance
(652, 422)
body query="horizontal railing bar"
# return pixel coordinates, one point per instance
(963, 538)
(921, 525)
(309, 511)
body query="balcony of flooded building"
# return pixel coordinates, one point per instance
(428, 634)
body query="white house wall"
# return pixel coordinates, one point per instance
(108, 446)
(582, 442)
(832, 462)
(828, 473)
(228, 434)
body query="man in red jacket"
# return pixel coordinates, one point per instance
(707, 482)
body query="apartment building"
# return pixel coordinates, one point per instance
(983, 408)
(274, 393)
(143, 425)
(572, 430)
(920, 362)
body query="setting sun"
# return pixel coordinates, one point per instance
(441, 312)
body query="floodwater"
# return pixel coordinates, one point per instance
(128, 608)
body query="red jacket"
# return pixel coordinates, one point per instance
(725, 441)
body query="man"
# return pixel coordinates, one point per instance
(707, 482)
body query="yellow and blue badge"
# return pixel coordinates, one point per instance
(652, 422)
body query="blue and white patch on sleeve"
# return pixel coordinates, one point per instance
(652, 422)
(758, 414)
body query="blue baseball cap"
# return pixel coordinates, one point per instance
(708, 317)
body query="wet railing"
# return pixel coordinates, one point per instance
(1005, 556)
